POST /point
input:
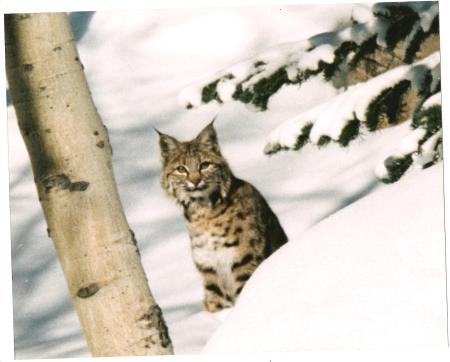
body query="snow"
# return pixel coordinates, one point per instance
(434, 100)
(410, 144)
(364, 286)
(192, 96)
(427, 17)
(362, 13)
(136, 64)
(410, 37)
(382, 32)
(427, 149)
(226, 90)
(310, 60)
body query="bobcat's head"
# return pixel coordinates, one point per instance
(194, 171)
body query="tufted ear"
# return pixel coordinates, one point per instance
(167, 144)
(208, 137)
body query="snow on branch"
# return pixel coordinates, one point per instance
(422, 147)
(255, 80)
(372, 103)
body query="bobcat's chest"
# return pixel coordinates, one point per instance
(208, 251)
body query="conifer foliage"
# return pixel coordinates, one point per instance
(388, 69)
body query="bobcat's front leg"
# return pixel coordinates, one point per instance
(215, 298)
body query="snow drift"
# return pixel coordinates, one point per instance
(366, 277)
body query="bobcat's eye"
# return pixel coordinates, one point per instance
(205, 165)
(181, 169)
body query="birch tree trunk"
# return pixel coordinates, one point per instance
(71, 159)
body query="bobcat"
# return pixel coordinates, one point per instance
(231, 227)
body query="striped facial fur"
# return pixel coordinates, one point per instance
(195, 171)
(231, 227)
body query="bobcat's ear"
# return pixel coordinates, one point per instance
(208, 137)
(167, 144)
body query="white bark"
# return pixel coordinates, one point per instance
(71, 159)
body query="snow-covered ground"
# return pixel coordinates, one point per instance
(365, 277)
(136, 64)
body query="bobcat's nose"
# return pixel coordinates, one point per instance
(195, 184)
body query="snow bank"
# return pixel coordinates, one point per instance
(366, 277)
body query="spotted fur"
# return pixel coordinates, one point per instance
(231, 227)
